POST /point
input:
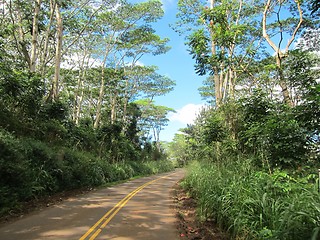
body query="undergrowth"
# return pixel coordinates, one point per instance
(252, 204)
(30, 169)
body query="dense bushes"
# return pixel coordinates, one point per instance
(30, 168)
(258, 159)
(252, 204)
(272, 131)
(43, 150)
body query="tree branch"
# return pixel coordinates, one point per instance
(264, 27)
(297, 27)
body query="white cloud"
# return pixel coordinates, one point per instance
(187, 114)
(137, 63)
(74, 62)
(167, 2)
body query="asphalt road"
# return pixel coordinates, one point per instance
(139, 209)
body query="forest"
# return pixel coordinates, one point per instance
(77, 107)
(253, 154)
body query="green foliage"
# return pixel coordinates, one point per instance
(200, 50)
(30, 169)
(49, 141)
(177, 150)
(252, 204)
(272, 132)
(21, 91)
(254, 177)
(256, 154)
(55, 110)
(15, 180)
(303, 77)
(214, 129)
(256, 107)
(221, 37)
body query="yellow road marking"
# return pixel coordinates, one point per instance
(95, 234)
(115, 210)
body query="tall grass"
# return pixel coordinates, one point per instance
(253, 204)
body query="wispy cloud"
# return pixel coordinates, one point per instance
(166, 4)
(74, 62)
(137, 63)
(187, 114)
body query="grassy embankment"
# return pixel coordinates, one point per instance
(253, 204)
(31, 169)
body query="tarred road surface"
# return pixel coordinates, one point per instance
(136, 210)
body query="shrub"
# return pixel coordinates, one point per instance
(273, 134)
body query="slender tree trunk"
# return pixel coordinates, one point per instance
(216, 76)
(79, 106)
(100, 99)
(113, 106)
(225, 85)
(45, 52)
(34, 41)
(22, 41)
(217, 87)
(78, 95)
(285, 91)
(125, 104)
(78, 98)
(233, 78)
(101, 92)
(279, 54)
(54, 93)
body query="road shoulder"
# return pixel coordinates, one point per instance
(189, 227)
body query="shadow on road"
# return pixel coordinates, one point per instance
(146, 216)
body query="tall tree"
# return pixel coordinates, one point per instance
(275, 24)
(34, 41)
(153, 118)
(54, 92)
(129, 37)
(222, 42)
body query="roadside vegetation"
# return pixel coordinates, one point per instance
(76, 105)
(253, 153)
(31, 169)
(261, 181)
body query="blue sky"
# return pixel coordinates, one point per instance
(179, 66)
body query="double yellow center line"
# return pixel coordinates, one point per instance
(102, 222)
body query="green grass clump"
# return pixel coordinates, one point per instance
(253, 204)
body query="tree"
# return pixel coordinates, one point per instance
(292, 25)
(222, 42)
(310, 40)
(128, 37)
(177, 149)
(153, 118)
